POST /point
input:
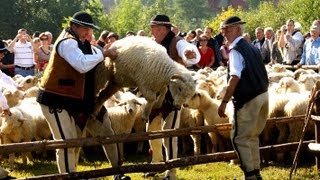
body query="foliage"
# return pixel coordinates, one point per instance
(269, 15)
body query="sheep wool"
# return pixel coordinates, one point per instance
(143, 63)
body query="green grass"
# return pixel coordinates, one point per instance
(211, 171)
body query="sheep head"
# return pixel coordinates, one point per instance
(182, 88)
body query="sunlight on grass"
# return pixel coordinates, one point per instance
(211, 171)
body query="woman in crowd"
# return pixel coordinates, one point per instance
(42, 55)
(207, 54)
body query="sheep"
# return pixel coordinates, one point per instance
(122, 118)
(143, 63)
(13, 98)
(287, 85)
(209, 107)
(192, 118)
(307, 81)
(28, 82)
(25, 123)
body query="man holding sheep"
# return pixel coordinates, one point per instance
(67, 94)
(248, 87)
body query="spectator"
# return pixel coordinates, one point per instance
(225, 52)
(291, 41)
(276, 51)
(248, 88)
(67, 95)
(247, 37)
(213, 44)
(130, 33)
(23, 46)
(267, 45)
(50, 39)
(112, 37)
(42, 55)
(311, 49)
(35, 34)
(103, 39)
(258, 42)
(7, 62)
(191, 36)
(141, 33)
(207, 54)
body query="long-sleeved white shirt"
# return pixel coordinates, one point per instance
(182, 46)
(8, 83)
(70, 51)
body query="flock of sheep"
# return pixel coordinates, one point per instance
(144, 64)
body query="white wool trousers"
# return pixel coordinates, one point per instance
(63, 126)
(247, 125)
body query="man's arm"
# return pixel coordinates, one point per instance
(232, 84)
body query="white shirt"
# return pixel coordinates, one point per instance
(70, 51)
(23, 54)
(236, 61)
(182, 46)
(6, 82)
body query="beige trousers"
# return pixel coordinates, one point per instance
(248, 123)
(63, 126)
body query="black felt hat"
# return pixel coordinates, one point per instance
(160, 19)
(83, 19)
(2, 47)
(230, 21)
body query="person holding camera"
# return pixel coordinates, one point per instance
(22, 47)
(291, 40)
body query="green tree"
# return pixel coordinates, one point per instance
(190, 14)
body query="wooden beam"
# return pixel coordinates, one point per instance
(162, 166)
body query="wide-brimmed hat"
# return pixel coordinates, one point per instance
(230, 21)
(160, 19)
(2, 47)
(83, 19)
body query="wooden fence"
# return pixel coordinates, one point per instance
(144, 167)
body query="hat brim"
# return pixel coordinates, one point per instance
(81, 23)
(3, 50)
(232, 24)
(154, 23)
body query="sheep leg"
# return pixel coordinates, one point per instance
(147, 110)
(105, 94)
(197, 144)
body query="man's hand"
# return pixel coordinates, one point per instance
(222, 109)
(299, 65)
(190, 54)
(111, 53)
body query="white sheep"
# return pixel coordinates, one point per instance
(307, 80)
(143, 63)
(287, 85)
(25, 123)
(209, 108)
(28, 82)
(122, 118)
(192, 118)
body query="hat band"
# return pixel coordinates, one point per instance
(161, 22)
(82, 22)
(1, 49)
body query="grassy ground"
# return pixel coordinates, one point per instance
(211, 171)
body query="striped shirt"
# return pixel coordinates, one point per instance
(23, 54)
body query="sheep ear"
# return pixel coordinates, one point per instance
(177, 76)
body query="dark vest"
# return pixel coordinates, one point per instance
(64, 87)
(254, 78)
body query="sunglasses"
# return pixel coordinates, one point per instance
(44, 39)
(203, 40)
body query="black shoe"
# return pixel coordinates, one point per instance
(258, 175)
(121, 177)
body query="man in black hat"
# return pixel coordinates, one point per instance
(184, 53)
(67, 90)
(248, 88)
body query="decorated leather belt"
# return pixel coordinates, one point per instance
(24, 68)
